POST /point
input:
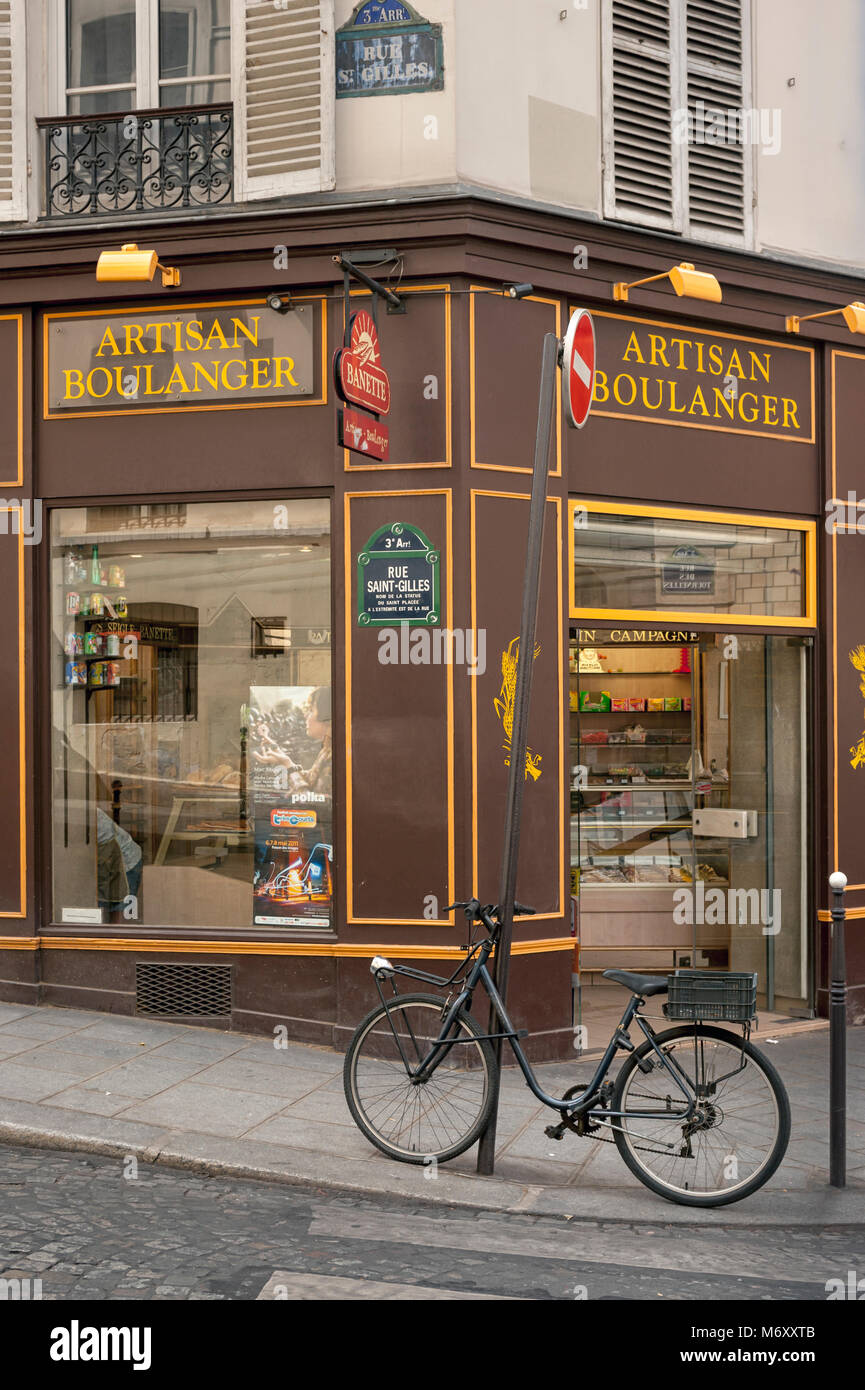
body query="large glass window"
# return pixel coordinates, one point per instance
(187, 48)
(643, 564)
(191, 693)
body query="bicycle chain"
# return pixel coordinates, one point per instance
(602, 1138)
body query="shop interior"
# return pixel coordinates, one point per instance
(183, 632)
(689, 807)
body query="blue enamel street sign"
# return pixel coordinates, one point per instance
(388, 48)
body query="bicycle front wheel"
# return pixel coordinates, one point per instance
(737, 1135)
(418, 1121)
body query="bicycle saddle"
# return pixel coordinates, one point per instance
(638, 984)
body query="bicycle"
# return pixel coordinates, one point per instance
(698, 1114)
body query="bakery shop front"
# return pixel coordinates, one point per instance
(249, 749)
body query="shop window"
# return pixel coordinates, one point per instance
(690, 566)
(123, 54)
(191, 764)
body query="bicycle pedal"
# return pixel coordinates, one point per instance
(555, 1131)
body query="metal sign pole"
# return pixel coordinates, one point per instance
(522, 697)
(837, 1038)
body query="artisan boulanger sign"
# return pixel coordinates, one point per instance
(387, 47)
(673, 374)
(235, 353)
(398, 578)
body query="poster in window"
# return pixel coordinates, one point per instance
(290, 779)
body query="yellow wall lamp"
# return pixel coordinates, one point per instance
(686, 281)
(131, 264)
(854, 317)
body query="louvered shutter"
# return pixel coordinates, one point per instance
(718, 174)
(642, 165)
(283, 88)
(13, 112)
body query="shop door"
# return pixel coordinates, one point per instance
(636, 776)
(689, 811)
(754, 723)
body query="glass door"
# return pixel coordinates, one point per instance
(688, 761)
(754, 716)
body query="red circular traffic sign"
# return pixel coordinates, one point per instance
(578, 361)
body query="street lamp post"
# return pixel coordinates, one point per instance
(838, 1038)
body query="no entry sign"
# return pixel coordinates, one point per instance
(578, 364)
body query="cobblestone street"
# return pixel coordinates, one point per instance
(89, 1231)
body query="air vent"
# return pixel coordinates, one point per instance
(183, 991)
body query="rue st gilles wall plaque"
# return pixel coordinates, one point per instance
(398, 578)
(387, 48)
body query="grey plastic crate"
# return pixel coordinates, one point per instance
(728, 996)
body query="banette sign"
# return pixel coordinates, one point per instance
(207, 355)
(674, 374)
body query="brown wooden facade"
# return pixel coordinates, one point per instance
(418, 754)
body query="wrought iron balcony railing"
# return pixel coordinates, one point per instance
(142, 161)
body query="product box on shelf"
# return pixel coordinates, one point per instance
(595, 702)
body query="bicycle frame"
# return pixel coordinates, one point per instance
(479, 974)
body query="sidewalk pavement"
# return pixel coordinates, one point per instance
(228, 1103)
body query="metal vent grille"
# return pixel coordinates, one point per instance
(183, 991)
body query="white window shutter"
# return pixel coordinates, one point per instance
(642, 164)
(283, 93)
(13, 112)
(719, 175)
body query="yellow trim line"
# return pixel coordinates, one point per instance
(268, 948)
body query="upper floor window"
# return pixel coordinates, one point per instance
(679, 134)
(124, 54)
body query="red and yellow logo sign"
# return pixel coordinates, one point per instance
(358, 374)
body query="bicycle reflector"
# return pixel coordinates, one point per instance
(382, 967)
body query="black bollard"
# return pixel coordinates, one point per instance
(838, 1038)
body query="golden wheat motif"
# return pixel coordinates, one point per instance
(857, 660)
(504, 706)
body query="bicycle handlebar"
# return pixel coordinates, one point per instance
(475, 913)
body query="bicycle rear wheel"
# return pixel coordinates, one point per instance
(415, 1122)
(738, 1134)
